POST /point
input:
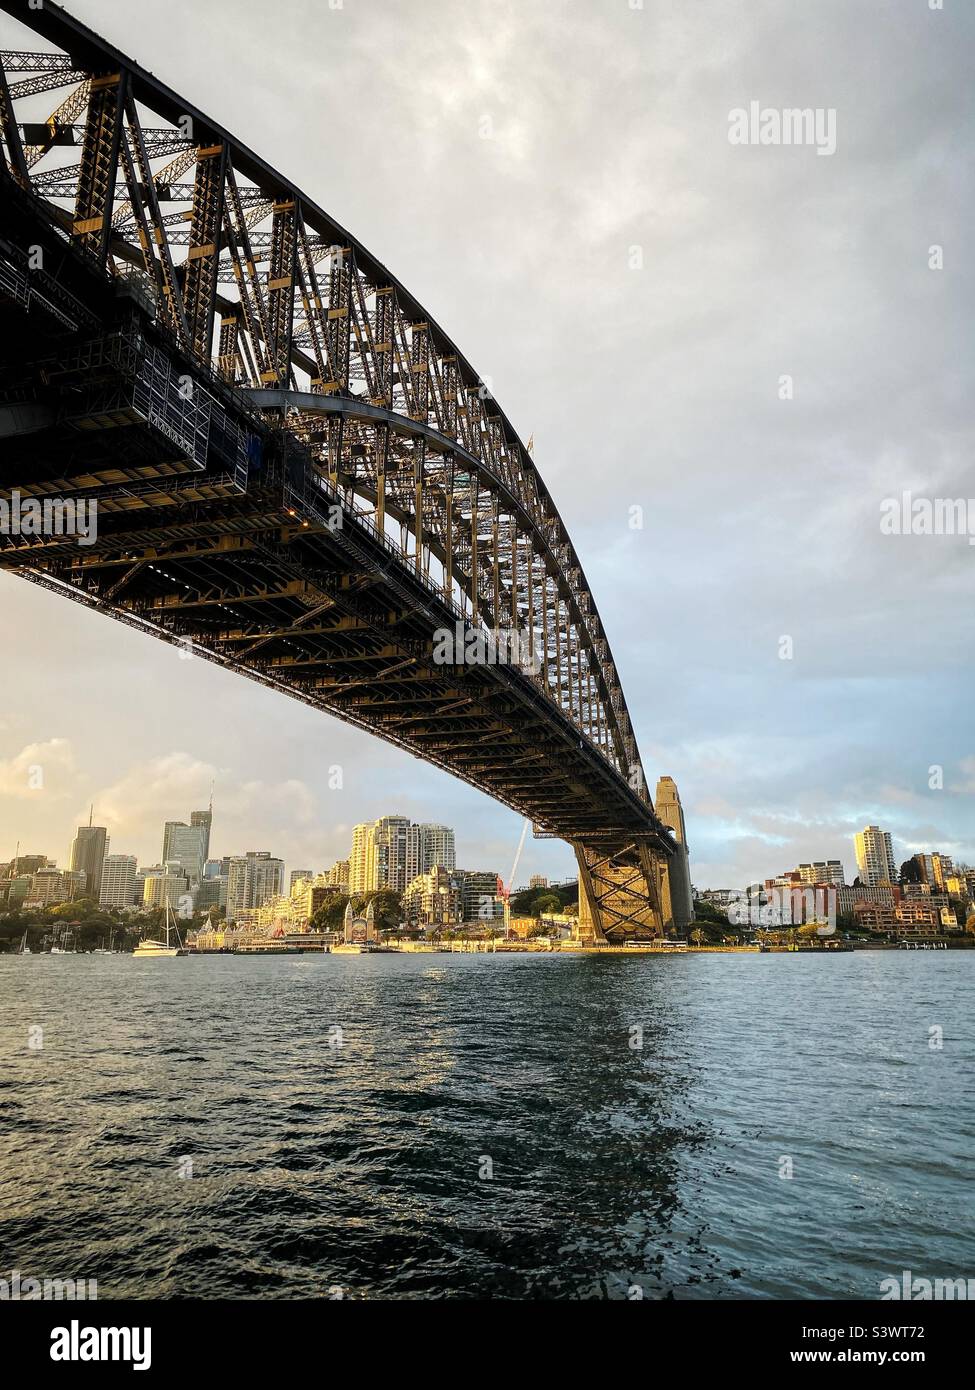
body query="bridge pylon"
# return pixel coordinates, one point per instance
(624, 892)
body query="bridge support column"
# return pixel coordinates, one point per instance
(623, 893)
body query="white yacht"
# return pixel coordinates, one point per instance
(150, 947)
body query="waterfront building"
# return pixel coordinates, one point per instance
(482, 897)
(721, 898)
(434, 899)
(875, 856)
(358, 930)
(88, 850)
(874, 916)
(827, 871)
(667, 805)
(252, 879)
(886, 895)
(118, 880)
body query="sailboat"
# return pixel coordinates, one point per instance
(25, 950)
(150, 947)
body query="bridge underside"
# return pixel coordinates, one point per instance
(297, 477)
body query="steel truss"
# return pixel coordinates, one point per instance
(257, 287)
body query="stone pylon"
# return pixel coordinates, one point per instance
(678, 871)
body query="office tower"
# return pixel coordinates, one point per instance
(118, 880)
(213, 868)
(51, 886)
(822, 871)
(296, 877)
(26, 864)
(162, 889)
(204, 820)
(88, 850)
(212, 892)
(668, 807)
(18, 890)
(185, 845)
(252, 879)
(875, 856)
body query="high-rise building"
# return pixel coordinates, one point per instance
(162, 889)
(186, 845)
(936, 869)
(212, 892)
(359, 859)
(50, 886)
(338, 875)
(252, 879)
(88, 850)
(203, 819)
(429, 847)
(26, 864)
(118, 880)
(387, 866)
(822, 871)
(538, 881)
(875, 856)
(668, 807)
(296, 876)
(391, 852)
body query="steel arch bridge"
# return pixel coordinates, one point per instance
(297, 473)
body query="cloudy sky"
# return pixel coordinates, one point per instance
(554, 180)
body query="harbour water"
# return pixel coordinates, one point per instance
(482, 1126)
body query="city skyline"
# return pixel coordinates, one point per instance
(860, 861)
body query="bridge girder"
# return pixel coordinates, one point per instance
(391, 492)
